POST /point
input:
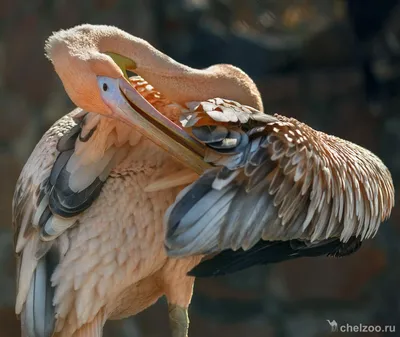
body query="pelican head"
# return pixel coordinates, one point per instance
(92, 62)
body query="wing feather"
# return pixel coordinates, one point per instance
(291, 182)
(47, 202)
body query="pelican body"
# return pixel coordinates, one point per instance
(103, 225)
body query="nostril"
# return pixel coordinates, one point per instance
(105, 86)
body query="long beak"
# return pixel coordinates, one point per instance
(132, 108)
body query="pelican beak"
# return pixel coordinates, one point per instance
(129, 106)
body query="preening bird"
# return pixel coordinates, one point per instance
(102, 225)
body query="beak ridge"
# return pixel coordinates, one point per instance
(140, 114)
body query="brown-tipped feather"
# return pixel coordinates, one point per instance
(294, 183)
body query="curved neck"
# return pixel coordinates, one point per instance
(146, 57)
(179, 82)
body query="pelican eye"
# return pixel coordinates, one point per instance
(105, 87)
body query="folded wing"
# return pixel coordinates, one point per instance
(59, 182)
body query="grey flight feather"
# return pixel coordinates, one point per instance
(290, 181)
(45, 205)
(38, 317)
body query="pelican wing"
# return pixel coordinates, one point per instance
(52, 188)
(58, 182)
(276, 180)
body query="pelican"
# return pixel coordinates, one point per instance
(172, 172)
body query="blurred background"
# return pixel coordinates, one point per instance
(333, 64)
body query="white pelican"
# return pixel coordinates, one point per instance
(89, 205)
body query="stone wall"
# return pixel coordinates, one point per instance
(305, 60)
